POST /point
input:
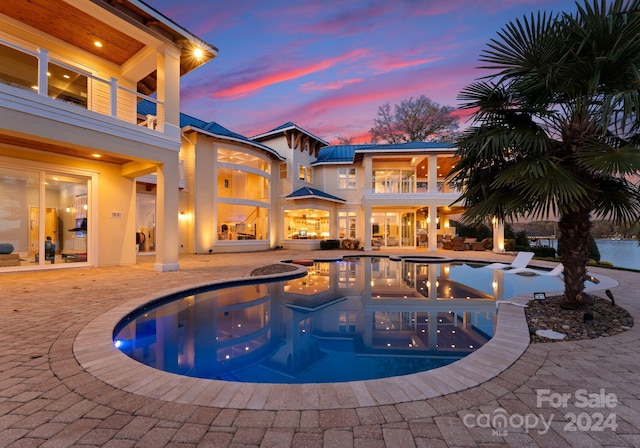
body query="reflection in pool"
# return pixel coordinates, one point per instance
(356, 319)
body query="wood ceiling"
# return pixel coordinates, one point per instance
(31, 144)
(67, 23)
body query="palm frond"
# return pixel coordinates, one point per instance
(611, 157)
(619, 200)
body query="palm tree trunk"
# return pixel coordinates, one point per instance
(573, 249)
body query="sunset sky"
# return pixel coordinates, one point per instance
(329, 65)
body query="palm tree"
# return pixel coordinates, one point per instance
(555, 127)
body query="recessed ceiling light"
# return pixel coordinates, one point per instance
(97, 156)
(66, 76)
(198, 53)
(97, 43)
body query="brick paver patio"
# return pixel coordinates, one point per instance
(49, 399)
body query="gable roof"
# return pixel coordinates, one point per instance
(211, 128)
(288, 126)
(343, 154)
(312, 193)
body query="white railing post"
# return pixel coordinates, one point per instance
(43, 68)
(113, 110)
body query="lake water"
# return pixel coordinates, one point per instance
(623, 253)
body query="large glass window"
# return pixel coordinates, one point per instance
(43, 217)
(243, 159)
(306, 224)
(17, 68)
(67, 85)
(242, 185)
(392, 229)
(243, 196)
(393, 181)
(242, 222)
(347, 178)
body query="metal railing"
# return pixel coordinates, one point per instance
(409, 186)
(39, 71)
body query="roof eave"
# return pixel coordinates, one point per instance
(339, 201)
(234, 139)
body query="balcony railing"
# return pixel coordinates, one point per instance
(40, 72)
(409, 186)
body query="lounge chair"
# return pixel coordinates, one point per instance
(480, 245)
(458, 243)
(521, 261)
(528, 271)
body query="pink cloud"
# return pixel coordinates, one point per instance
(248, 87)
(397, 62)
(336, 85)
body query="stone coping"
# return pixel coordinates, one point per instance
(96, 353)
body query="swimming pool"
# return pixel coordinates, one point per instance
(355, 319)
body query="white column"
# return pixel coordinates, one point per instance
(433, 175)
(167, 235)
(433, 226)
(498, 234)
(168, 90)
(367, 228)
(43, 68)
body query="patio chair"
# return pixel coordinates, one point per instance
(480, 245)
(458, 243)
(521, 261)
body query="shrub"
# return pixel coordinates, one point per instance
(329, 244)
(510, 245)
(543, 252)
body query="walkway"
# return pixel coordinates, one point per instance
(48, 399)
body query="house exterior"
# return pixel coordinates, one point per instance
(383, 196)
(72, 144)
(226, 198)
(97, 165)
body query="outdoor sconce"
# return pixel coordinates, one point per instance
(539, 296)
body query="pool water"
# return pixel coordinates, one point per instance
(356, 319)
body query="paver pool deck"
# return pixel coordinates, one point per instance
(61, 386)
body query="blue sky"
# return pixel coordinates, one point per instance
(328, 66)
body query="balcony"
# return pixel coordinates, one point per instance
(38, 72)
(389, 188)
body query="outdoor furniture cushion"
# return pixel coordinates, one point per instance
(6, 248)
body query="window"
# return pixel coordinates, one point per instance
(242, 222)
(306, 223)
(243, 190)
(244, 159)
(242, 185)
(43, 232)
(347, 224)
(304, 173)
(346, 322)
(393, 181)
(283, 170)
(347, 178)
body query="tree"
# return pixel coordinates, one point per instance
(413, 121)
(344, 140)
(555, 126)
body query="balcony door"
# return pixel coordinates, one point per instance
(393, 229)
